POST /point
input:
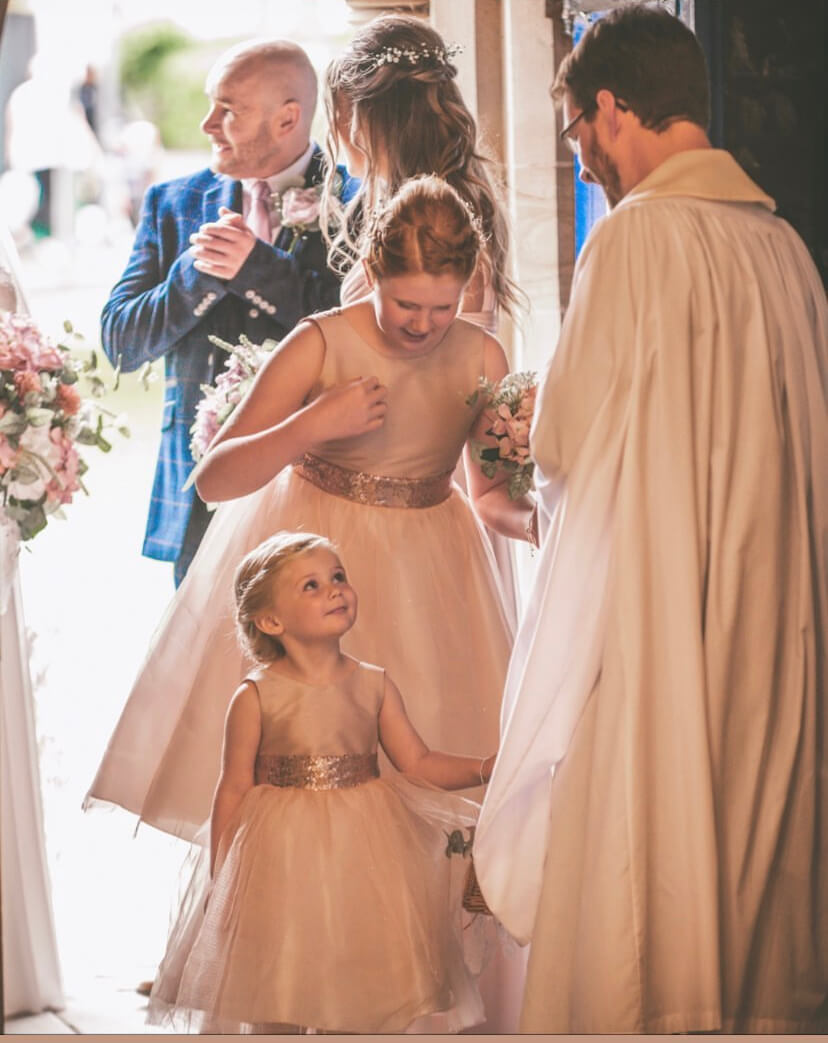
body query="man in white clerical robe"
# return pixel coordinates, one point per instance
(657, 822)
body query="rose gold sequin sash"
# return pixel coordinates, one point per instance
(317, 772)
(374, 489)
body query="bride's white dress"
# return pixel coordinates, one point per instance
(31, 973)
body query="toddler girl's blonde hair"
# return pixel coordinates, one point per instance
(253, 587)
(427, 227)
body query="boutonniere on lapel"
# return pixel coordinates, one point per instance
(300, 212)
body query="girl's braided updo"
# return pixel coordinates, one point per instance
(253, 587)
(426, 227)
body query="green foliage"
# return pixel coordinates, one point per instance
(145, 50)
(162, 74)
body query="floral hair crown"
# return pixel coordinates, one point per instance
(413, 55)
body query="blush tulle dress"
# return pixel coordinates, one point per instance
(332, 906)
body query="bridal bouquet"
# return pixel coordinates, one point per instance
(43, 419)
(232, 384)
(511, 403)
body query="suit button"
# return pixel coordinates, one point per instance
(253, 313)
(250, 294)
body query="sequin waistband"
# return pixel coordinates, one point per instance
(373, 489)
(317, 772)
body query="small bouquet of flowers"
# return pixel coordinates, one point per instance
(43, 418)
(232, 384)
(511, 402)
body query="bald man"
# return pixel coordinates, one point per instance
(213, 254)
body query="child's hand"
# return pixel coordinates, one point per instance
(351, 409)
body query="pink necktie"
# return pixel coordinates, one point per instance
(259, 217)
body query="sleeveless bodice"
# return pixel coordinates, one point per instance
(428, 420)
(305, 719)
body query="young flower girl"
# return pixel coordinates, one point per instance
(327, 905)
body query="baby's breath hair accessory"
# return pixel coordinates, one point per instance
(413, 55)
(475, 221)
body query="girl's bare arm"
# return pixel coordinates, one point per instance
(407, 751)
(242, 733)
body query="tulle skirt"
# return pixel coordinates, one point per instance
(336, 910)
(430, 611)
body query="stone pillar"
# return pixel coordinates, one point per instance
(531, 157)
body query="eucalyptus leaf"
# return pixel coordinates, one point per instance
(144, 374)
(26, 473)
(38, 417)
(12, 424)
(16, 512)
(32, 523)
(219, 343)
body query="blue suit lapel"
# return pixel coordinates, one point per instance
(225, 192)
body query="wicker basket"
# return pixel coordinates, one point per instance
(473, 900)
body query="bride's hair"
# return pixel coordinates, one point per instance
(393, 92)
(253, 587)
(425, 227)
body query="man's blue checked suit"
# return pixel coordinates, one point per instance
(163, 306)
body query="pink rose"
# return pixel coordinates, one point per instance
(518, 431)
(27, 382)
(300, 208)
(8, 454)
(68, 399)
(48, 357)
(13, 354)
(23, 346)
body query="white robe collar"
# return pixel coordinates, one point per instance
(704, 173)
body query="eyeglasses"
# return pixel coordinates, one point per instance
(567, 135)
